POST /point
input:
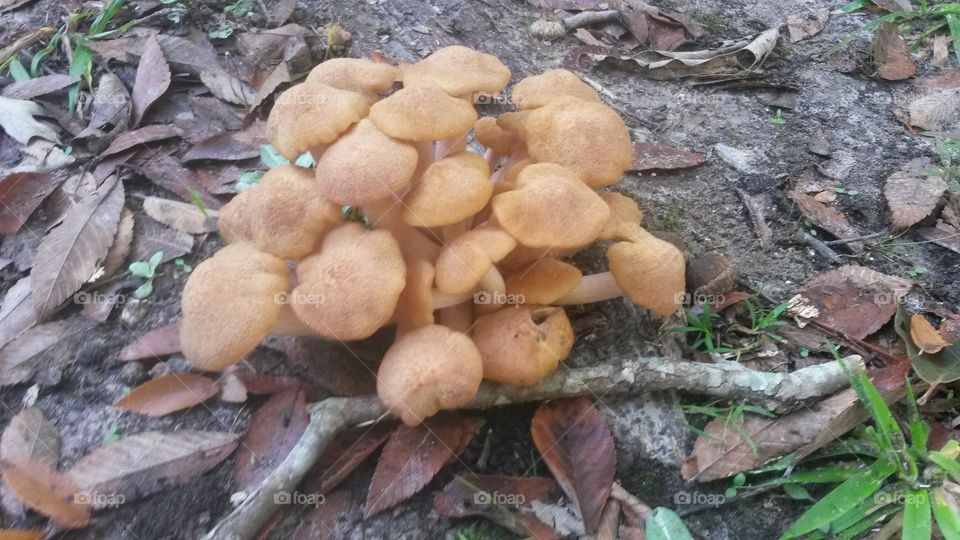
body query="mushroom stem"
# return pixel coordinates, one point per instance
(593, 288)
(449, 232)
(459, 317)
(493, 284)
(413, 244)
(491, 157)
(442, 300)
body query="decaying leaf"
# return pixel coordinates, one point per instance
(47, 346)
(925, 336)
(647, 156)
(116, 256)
(506, 500)
(892, 54)
(577, 446)
(265, 384)
(20, 195)
(827, 218)
(657, 28)
(938, 368)
(156, 343)
(182, 216)
(414, 455)
(938, 110)
(167, 172)
(345, 453)
(227, 87)
(140, 137)
(39, 86)
(229, 146)
(111, 108)
(168, 394)
(273, 432)
(804, 25)
(41, 488)
(326, 521)
(70, 254)
(150, 236)
(18, 122)
(17, 313)
(913, 192)
(145, 463)
(153, 79)
(29, 435)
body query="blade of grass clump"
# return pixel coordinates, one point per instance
(890, 437)
(916, 515)
(953, 23)
(950, 466)
(106, 15)
(46, 51)
(864, 525)
(81, 65)
(867, 509)
(947, 513)
(919, 430)
(17, 71)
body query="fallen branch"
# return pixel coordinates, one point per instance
(728, 380)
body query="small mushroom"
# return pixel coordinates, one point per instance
(521, 345)
(229, 304)
(311, 115)
(423, 113)
(538, 90)
(450, 191)
(470, 257)
(625, 217)
(543, 282)
(498, 141)
(426, 370)
(459, 71)
(350, 287)
(234, 220)
(360, 75)
(416, 304)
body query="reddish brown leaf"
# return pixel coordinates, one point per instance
(20, 195)
(506, 500)
(577, 446)
(150, 236)
(345, 453)
(912, 192)
(9, 534)
(139, 137)
(153, 79)
(925, 336)
(262, 383)
(326, 521)
(414, 455)
(116, 256)
(273, 432)
(46, 491)
(168, 173)
(32, 88)
(169, 393)
(892, 54)
(158, 342)
(827, 218)
(648, 156)
(230, 145)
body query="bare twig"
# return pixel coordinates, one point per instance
(818, 246)
(764, 235)
(855, 239)
(775, 391)
(586, 18)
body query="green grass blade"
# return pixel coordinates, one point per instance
(665, 524)
(944, 462)
(827, 475)
(953, 23)
(106, 15)
(947, 513)
(856, 5)
(17, 71)
(80, 66)
(916, 515)
(862, 526)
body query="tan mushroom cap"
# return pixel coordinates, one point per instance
(459, 71)
(230, 302)
(365, 165)
(286, 215)
(426, 370)
(423, 113)
(450, 191)
(544, 281)
(588, 138)
(234, 219)
(521, 345)
(465, 260)
(415, 306)
(515, 123)
(360, 75)
(551, 207)
(650, 272)
(350, 287)
(625, 217)
(538, 90)
(494, 137)
(312, 114)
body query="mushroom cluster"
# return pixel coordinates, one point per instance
(460, 250)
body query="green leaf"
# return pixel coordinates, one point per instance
(306, 160)
(141, 269)
(221, 31)
(939, 368)
(247, 180)
(155, 261)
(953, 23)
(17, 71)
(946, 510)
(271, 158)
(80, 66)
(854, 6)
(739, 480)
(665, 524)
(950, 466)
(916, 515)
(106, 15)
(865, 524)
(144, 290)
(828, 475)
(843, 498)
(857, 515)
(797, 492)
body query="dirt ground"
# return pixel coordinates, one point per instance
(851, 110)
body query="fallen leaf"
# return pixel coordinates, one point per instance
(20, 195)
(227, 87)
(116, 256)
(10, 534)
(111, 108)
(270, 47)
(935, 111)
(843, 306)
(230, 145)
(145, 463)
(506, 500)
(182, 216)
(652, 27)
(41, 347)
(326, 521)
(913, 192)
(277, 78)
(70, 254)
(150, 236)
(17, 313)
(941, 50)
(925, 336)
(577, 446)
(153, 79)
(38, 86)
(892, 54)
(46, 491)
(17, 120)
(827, 218)
(281, 10)
(345, 453)
(167, 172)
(414, 455)
(139, 137)
(42, 157)
(802, 26)
(29, 435)
(261, 383)
(169, 393)
(156, 343)
(648, 156)
(943, 235)
(273, 432)
(938, 368)
(894, 5)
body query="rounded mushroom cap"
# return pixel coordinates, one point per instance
(551, 207)
(350, 287)
(365, 165)
(234, 219)
(459, 71)
(360, 75)
(625, 217)
(415, 306)
(650, 271)
(465, 260)
(423, 113)
(521, 345)
(286, 215)
(494, 137)
(544, 281)
(588, 138)
(450, 191)
(229, 304)
(312, 114)
(538, 90)
(428, 369)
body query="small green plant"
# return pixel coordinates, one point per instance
(113, 433)
(240, 8)
(732, 417)
(778, 119)
(844, 191)
(701, 327)
(146, 270)
(916, 271)
(182, 266)
(927, 17)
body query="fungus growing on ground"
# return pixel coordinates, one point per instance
(466, 250)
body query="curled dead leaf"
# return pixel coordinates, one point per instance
(925, 336)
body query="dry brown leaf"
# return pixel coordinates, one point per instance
(153, 79)
(41, 488)
(20, 195)
(230, 146)
(182, 216)
(150, 236)
(925, 336)
(474, 495)
(9, 534)
(227, 87)
(804, 25)
(273, 432)
(9, 5)
(117, 255)
(912, 192)
(47, 346)
(345, 453)
(70, 254)
(156, 343)
(168, 394)
(17, 313)
(145, 463)
(892, 54)
(167, 172)
(29, 435)
(140, 137)
(935, 111)
(18, 122)
(941, 50)
(111, 108)
(942, 235)
(577, 446)
(37, 87)
(648, 156)
(827, 218)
